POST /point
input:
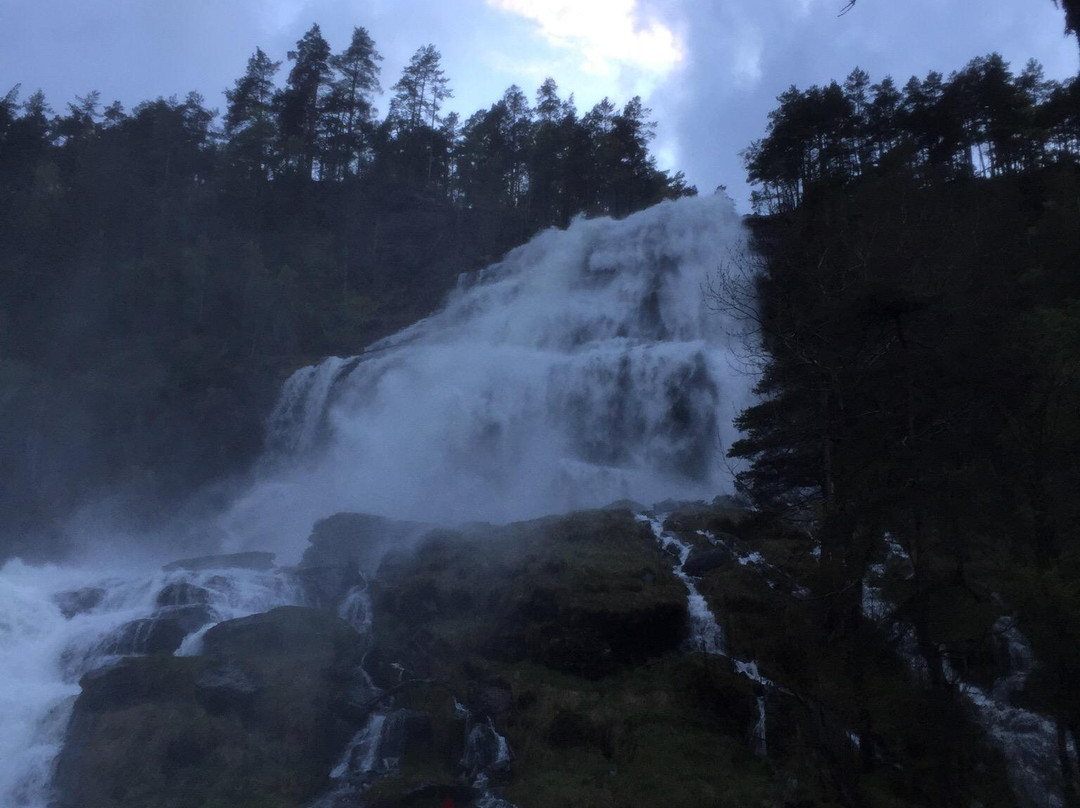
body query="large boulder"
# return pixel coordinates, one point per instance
(251, 723)
(704, 560)
(160, 634)
(79, 601)
(588, 594)
(181, 593)
(357, 540)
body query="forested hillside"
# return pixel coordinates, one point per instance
(162, 268)
(916, 318)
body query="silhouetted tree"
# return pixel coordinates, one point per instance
(299, 105)
(249, 118)
(349, 106)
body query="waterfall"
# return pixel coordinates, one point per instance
(583, 368)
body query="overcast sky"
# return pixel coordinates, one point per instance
(709, 69)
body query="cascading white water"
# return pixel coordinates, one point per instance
(1027, 740)
(706, 635)
(43, 653)
(583, 368)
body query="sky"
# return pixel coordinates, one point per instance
(710, 70)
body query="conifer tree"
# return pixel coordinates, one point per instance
(249, 117)
(299, 105)
(420, 92)
(350, 103)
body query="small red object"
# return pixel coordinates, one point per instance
(448, 803)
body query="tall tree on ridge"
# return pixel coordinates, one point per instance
(300, 103)
(414, 114)
(249, 119)
(350, 101)
(421, 90)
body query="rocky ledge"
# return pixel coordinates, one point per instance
(537, 664)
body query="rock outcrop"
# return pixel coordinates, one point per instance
(250, 723)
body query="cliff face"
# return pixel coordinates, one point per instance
(547, 663)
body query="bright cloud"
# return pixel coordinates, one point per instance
(608, 34)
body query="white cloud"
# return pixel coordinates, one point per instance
(608, 35)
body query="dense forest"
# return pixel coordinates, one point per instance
(162, 269)
(915, 311)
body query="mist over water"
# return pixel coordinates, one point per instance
(583, 368)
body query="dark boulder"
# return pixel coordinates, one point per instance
(702, 561)
(251, 561)
(160, 634)
(326, 587)
(407, 738)
(79, 601)
(182, 594)
(357, 540)
(587, 594)
(226, 688)
(250, 723)
(491, 698)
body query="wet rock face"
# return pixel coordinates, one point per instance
(588, 595)
(250, 561)
(161, 634)
(250, 723)
(703, 561)
(79, 601)
(326, 587)
(356, 540)
(226, 688)
(182, 594)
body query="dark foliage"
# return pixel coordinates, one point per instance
(918, 330)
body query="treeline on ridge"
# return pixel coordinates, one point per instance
(981, 121)
(161, 269)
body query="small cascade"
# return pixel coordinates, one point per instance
(706, 635)
(1027, 740)
(365, 758)
(768, 572)
(355, 609)
(766, 686)
(875, 605)
(58, 623)
(294, 424)
(760, 747)
(361, 757)
(486, 753)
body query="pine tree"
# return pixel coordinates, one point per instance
(420, 92)
(249, 118)
(300, 103)
(349, 105)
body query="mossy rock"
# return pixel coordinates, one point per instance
(252, 723)
(589, 594)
